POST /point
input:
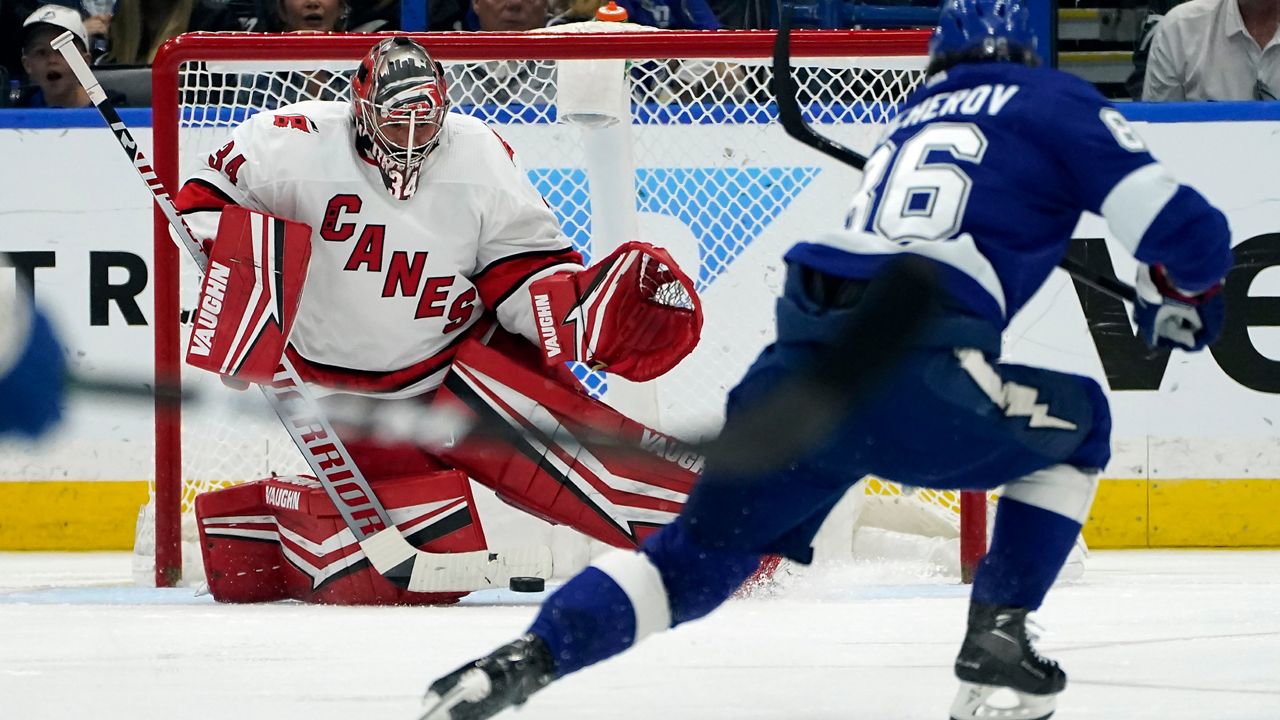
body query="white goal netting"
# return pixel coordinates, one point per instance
(694, 161)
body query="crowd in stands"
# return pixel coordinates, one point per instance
(1186, 50)
(1210, 50)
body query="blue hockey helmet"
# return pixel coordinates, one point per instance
(977, 30)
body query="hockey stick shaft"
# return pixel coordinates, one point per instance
(363, 514)
(791, 117)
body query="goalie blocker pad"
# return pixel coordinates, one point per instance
(249, 295)
(542, 468)
(281, 538)
(634, 313)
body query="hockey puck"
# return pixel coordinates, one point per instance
(527, 584)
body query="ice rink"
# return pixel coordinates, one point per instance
(1151, 634)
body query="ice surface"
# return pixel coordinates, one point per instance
(1158, 635)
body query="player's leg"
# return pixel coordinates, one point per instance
(675, 577)
(1045, 436)
(1038, 518)
(1042, 434)
(681, 573)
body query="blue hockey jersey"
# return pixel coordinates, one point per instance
(987, 169)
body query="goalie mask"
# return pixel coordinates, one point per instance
(399, 104)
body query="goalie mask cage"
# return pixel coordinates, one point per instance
(696, 164)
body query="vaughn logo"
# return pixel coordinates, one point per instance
(546, 325)
(283, 497)
(207, 317)
(672, 450)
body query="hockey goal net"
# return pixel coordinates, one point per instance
(694, 161)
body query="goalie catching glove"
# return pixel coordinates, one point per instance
(1169, 317)
(635, 313)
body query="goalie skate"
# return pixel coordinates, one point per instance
(1002, 677)
(485, 687)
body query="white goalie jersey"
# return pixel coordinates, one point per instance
(394, 285)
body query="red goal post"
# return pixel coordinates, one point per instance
(706, 138)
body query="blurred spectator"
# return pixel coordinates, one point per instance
(273, 89)
(311, 15)
(509, 15)
(97, 24)
(449, 14)
(140, 27)
(742, 14)
(1216, 50)
(12, 13)
(564, 12)
(53, 83)
(671, 14)
(522, 82)
(1156, 10)
(382, 15)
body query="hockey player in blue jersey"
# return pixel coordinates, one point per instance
(31, 367)
(984, 174)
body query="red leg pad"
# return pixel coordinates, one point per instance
(617, 498)
(281, 538)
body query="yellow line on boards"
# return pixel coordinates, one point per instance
(96, 515)
(70, 515)
(1185, 513)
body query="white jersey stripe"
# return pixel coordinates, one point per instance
(960, 253)
(1062, 489)
(1133, 204)
(643, 586)
(1014, 399)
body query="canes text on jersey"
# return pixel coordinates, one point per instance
(404, 270)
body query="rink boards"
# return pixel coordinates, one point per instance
(1197, 458)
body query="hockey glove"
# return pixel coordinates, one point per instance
(1172, 318)
(635, 313)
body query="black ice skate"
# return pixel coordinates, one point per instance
(485, 687)
(997, 660)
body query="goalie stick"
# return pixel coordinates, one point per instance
(792, 120)
(364, 515)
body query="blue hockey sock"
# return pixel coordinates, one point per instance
(587, 620)
(625, 596)
(1028, 548)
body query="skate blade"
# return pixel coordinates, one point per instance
(473, 686)
(996, 702)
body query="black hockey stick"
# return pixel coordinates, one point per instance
(798, 414)
(791, 118)
(362, 512)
